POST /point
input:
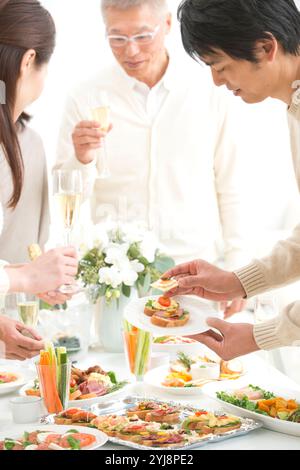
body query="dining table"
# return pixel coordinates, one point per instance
(258, 368)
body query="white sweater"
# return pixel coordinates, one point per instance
(177, 171)
(281, 267)
(29, 222)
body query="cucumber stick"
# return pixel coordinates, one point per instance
(63, 380)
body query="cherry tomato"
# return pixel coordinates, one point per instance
(164, 301)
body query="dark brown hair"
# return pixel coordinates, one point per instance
(24, 25)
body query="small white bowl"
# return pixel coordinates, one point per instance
(26, 409)
(205, 370)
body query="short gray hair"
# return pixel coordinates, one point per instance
(161, 6)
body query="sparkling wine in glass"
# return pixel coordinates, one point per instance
(28, 309)
(68, 189)
(100, 112)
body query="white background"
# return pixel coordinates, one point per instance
(269, 194)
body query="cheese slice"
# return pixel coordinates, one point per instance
(165, 285)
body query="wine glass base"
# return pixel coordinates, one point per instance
(70, 289)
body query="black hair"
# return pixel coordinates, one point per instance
(234, 26)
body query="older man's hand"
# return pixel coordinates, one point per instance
(88, 137)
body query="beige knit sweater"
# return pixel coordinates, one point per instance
(281, 267)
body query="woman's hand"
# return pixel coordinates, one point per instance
(18, 341)
(46, 274)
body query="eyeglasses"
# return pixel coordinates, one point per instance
(140, 39)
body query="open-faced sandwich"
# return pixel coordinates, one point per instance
(74, 416)
(165, 285)
(143, 433)
(205, 422)
(152, 411)
(166, 312)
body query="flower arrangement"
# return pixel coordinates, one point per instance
(122, 257)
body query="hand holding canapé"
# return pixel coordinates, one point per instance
(205, 280)
(87, 138)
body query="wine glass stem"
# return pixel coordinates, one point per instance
(68, 237)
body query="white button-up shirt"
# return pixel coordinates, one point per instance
(172, 160)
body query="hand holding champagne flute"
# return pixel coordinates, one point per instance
(68, 190)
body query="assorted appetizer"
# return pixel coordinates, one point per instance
(205, 422)
(164, 285)
(187, 371)
(84, 384)
(260, 401)
(166, 312)
(7, 377)
(47, 440)
(152, 411)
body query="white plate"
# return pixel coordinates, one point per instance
(273, 424)
(156, 376)
(191, 349)
(23, 377)
(88, 401)
(101, 438)
(199, 311)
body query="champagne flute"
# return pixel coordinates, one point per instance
(28, 309)
(101, 114)
(68, 188)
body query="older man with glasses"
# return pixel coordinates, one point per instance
(171, 156)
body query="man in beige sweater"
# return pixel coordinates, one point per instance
(254, 49)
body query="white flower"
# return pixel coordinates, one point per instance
(129, 276)
(116, 254)
(110, 276)
(148, 246)
(136, 266)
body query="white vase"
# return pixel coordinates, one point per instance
(111, 322)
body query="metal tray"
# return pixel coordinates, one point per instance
(120, 407)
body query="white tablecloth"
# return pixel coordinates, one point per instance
(259, 439)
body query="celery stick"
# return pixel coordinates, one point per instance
(138, 357)
(145, 354)
(50, 349)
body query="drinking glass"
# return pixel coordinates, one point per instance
(137, 344)
(28, 309)
(265, 307)
(67, 189)
(54, 392)
(100, 112)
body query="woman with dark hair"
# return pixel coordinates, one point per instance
(27, 41)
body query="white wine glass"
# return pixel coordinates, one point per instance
(68, 189)
(100, 112)
(28, 309)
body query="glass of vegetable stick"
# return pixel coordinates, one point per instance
(137, 344)
(54, 372)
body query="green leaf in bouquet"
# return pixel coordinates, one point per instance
(126, 290)
(163, 263)
(145, 284)
(134, 252)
